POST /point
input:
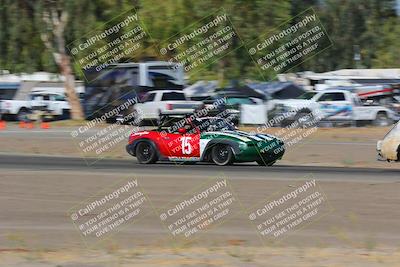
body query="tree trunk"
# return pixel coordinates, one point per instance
(56, 20)
(73, 99)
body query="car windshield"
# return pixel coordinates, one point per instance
(214, 124)
(172, 124)
(394, 131)
(238, 100)
(307, 95)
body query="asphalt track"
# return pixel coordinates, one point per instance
(250, 171)
(36, 193)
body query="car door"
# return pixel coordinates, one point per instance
(361, 112)
(335, 106)
(190, 145)
(57, 103)
(39, 102)
(181, 146)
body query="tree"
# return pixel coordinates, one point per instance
(371, 25)
(55, 19)
(388, 52)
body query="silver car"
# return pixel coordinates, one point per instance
(389, 148)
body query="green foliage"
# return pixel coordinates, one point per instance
(362, 23)
(370, 25)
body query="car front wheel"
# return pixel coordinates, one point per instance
(222, 155)
(146, 153)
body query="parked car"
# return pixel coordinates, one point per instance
(52, 105)
(15, 109)
(162, 101)
(389, 147)
(230, 106)
(335, 106)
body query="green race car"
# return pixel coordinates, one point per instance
(208, 139)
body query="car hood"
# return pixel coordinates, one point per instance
(294, 102)
(244, 136)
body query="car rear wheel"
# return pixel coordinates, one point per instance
(304, 119)
(382, 119)
(146, 153)
(222, 155)
(23, 114)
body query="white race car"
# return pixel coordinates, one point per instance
(389, 148)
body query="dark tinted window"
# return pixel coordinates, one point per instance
(7, 94)
(149, 97)
(239, 100)
(307, 95)
(59, 98)
(173, 96)
(332, 97)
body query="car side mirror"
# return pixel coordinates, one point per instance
(182, 130)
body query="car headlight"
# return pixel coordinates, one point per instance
(379, 146)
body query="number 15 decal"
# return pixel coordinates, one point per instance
(186, 146)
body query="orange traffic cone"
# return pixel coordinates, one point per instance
(22, 124)
(2, 125)
(45, 125)
(29, 125)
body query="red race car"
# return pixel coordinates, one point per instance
(210, 139)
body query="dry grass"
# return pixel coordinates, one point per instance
(199, 256)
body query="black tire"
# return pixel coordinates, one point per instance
(23, 115)
(304, 119)
(382, 119)
(265, 163)
(146, 153)
(222, 155)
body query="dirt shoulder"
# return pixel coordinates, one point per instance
(212, 256)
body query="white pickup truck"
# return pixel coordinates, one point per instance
(53, 104)
(156, 102)
(14, 109)
(334, 106)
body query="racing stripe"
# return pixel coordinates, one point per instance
(256, 137)
(253, 137)
(233, 134)
(267, 136)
